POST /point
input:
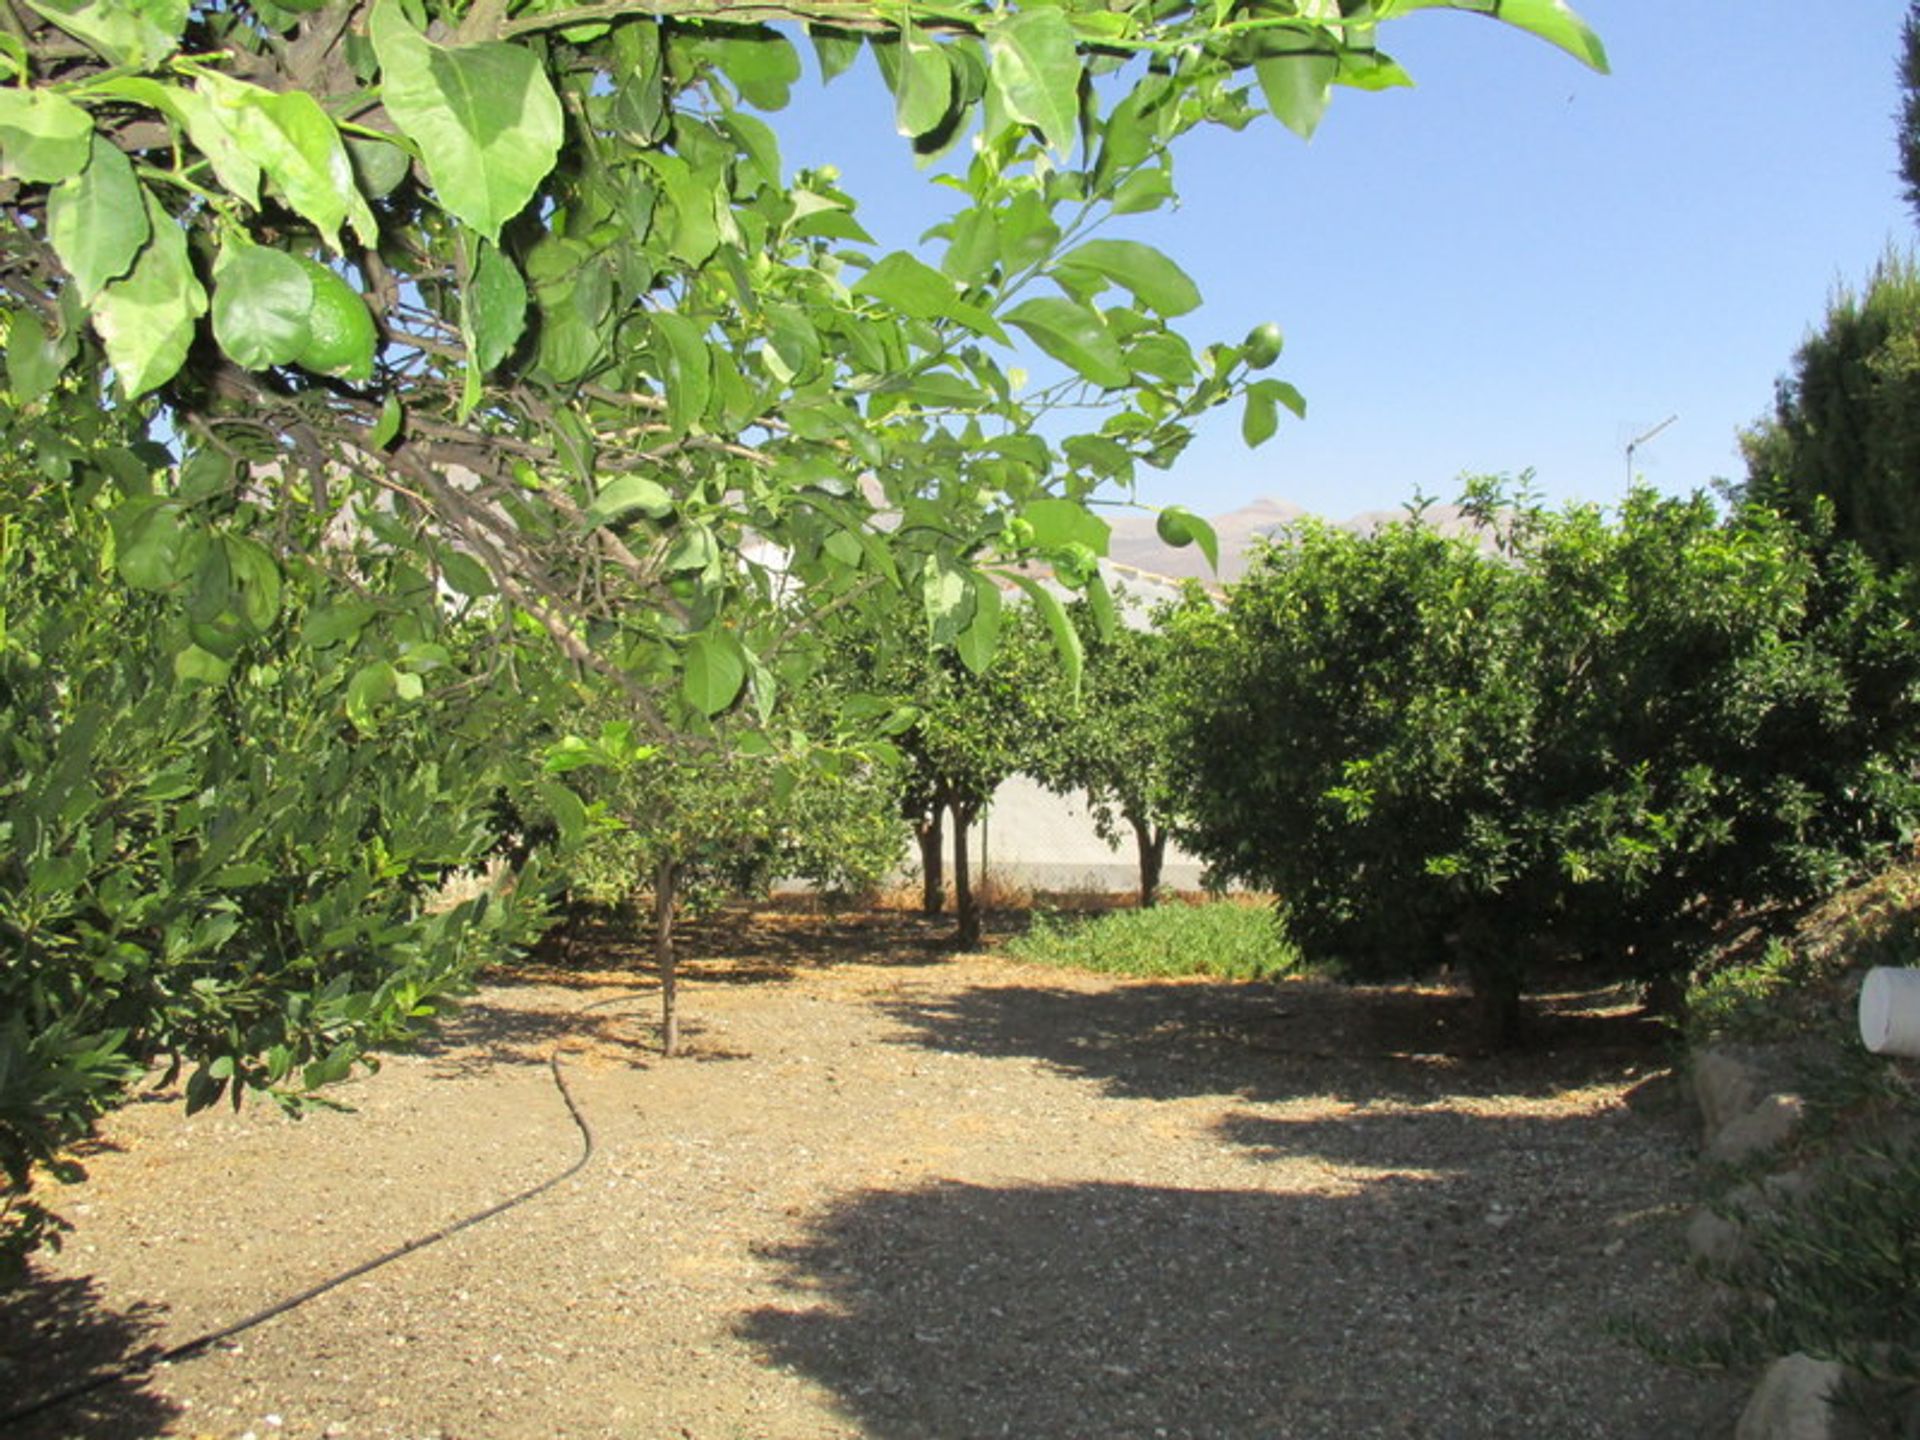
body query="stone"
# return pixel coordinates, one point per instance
(1770, 1123)
(1725, 1087)
(1714, 1239)
(1793, 1401)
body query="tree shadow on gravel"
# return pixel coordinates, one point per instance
(1171, 1040)
(58, 1332)
(1117, 1311)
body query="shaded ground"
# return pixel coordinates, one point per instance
(899, 1194)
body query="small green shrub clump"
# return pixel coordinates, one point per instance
(1226, 939)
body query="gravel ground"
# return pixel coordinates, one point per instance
(897, 1194)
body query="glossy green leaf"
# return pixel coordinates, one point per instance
(1036, 72)
(484, 117)
(255, 579)
(715, 669)
(298, 148)
(625, 495)
(337, 624)
(923, 85)
(150, 546)
(147, 321)
(916, 289)
(205, 123)
(686, 369)
(835, 50)
(569, 812)
(1066, 640)
(693, 549)
(372, 685)
(138, 34)
(387, 428)
(1298, 89)
(44, 137)
(946, 594)
(33, 361)
(762, 63)
(1180, 527)
(98, 220)
(1143, 191)
(1100, 601)
(198, 666)
(1057, 523)
(262, 306)
(1075, 335)
(1262, 417)
(977, 643)
(494, 308)
(1149, 274)
(1554, 21)
(466, 574)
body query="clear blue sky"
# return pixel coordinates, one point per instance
(1517, 263)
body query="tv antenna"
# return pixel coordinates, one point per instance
(1639, 440)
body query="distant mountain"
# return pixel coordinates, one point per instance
(1137, 544)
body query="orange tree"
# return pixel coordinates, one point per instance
(1604, 741)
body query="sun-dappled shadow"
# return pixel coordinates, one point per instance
(1118, 1310)
(57, 1333)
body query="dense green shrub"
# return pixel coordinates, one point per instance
(1841, 452)
(1601, 738)
(1228, 939)
(220, 856)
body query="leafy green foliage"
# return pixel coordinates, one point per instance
(1841, 453)
(1225, 939)
(581, 263)
(211, 861)
(960, 731)
(1116, 744)
(1603, 741)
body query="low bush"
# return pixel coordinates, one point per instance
(1227, 939)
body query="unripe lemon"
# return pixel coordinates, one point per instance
(340, 328)
(1262, 345)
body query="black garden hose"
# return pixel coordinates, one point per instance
(144, 1365)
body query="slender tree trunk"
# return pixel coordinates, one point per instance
(666, 877)
(967, 936)
(1150, 841)
(933, 877)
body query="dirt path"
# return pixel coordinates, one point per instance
(903, 1196)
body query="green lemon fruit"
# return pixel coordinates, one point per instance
(341, 335)
(1262, 345)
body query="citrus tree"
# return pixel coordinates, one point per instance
(1601, 743)
(1118, 744)
(225, 836)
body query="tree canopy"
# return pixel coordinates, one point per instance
(526, 288)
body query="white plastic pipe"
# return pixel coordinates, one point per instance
(1890, 1011)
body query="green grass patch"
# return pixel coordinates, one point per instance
(1226, 939)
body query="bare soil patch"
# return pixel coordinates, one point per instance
(897, 1193)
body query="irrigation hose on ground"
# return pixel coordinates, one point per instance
(144, 1365)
